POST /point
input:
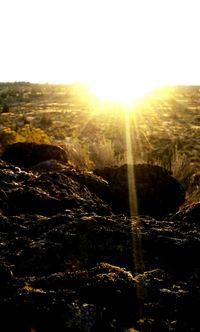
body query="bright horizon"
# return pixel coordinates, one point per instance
(120, 48)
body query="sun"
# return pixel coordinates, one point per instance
(125, 91)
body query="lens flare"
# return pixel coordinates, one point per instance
(133, 206)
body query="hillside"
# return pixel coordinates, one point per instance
(164, 126)
(74, 256)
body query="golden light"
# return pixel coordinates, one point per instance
(125, 92)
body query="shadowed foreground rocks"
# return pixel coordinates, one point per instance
(67, 261)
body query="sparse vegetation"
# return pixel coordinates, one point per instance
(80, 251)
(25, 134)
(9, 136)
(164, 127)
(103, 154)
(78, 154)
(32, 134)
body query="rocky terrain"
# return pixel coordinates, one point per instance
(71, 261)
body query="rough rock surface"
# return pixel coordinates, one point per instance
(189, 213)
(68, 263)
(158, 193)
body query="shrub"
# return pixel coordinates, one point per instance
(102, 153)
(177, 163)
(34, 135)
(78, 154)
(27, 133)
(9, 136)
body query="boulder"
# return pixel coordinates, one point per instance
(158, 193)
(26, 154)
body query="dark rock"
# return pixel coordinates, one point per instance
(92, 181)
(26, 155)
(157, 192)
(68, 263)
(189, 213)
(48, 166)
(48, 193)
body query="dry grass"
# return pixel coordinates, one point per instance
(165, 128)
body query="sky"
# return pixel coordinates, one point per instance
(112, 45)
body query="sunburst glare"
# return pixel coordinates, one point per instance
(135, 220)
(126, 91)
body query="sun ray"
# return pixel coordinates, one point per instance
(133, 206)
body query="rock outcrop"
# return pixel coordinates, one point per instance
(25, 154)
(69, 263)
(157, 192)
